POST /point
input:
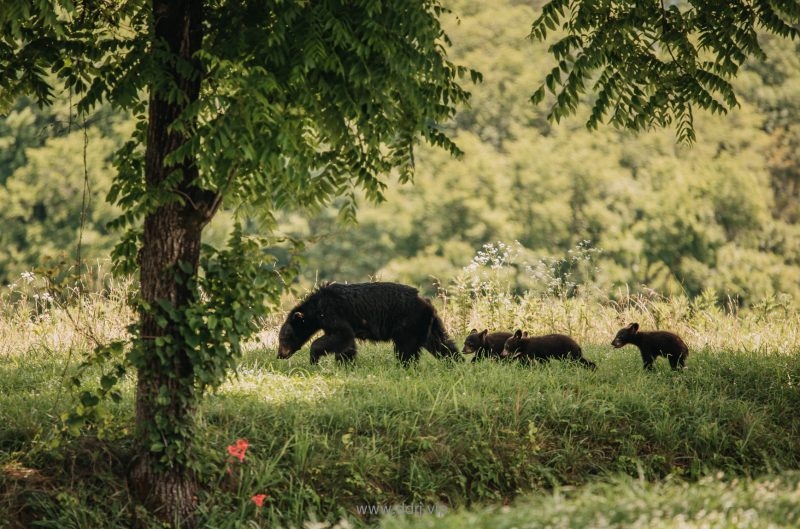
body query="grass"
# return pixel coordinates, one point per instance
(491, 443)
(712, 502)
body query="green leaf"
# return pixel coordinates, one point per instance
(89, 400)
(107, 382)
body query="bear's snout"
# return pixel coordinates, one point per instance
(284, 352)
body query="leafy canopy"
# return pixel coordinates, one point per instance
(301, 101)
(651, 63)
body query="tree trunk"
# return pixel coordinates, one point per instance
(165, 401)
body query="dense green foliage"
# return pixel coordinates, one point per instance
(55, 173)
(717, 216)
(721, 215)
(652, 64)
(325, 440)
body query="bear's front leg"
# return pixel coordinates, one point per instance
(342, 344)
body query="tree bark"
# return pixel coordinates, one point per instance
(168, 489)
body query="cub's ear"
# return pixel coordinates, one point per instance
(518, 334)
(634, 327)
(298, 316)
(484, 332)
(525, 334)
(474, 331)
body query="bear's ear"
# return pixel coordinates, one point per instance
(474, 331)
(525, 334)
(518, 334)
(634, 327)
(484, 332)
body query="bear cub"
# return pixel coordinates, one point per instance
(485, 344)
(653, 344)
(543, 348)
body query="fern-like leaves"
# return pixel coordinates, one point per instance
(651, 63)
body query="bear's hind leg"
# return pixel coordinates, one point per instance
(446, 348)
(682, 360)
(407, 350)
(677, 361)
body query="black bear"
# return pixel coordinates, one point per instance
(653, 344)
(485, 344)
(543, 348)
(365, 311)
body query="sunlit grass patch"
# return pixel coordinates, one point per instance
(274, 387)
(713, 502)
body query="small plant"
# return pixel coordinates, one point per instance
(489, 277)
(566, 276)
(488, 290)
(237, 481)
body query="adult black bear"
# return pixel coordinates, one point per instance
(543, 348)
(653, 344)
(485, 344)
(365, 311)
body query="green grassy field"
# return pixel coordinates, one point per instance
(439, 445)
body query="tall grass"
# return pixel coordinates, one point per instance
(325, 441)
(60, 311)
(482, 297)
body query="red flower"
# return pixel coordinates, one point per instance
(258, 499)
(238, 450)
